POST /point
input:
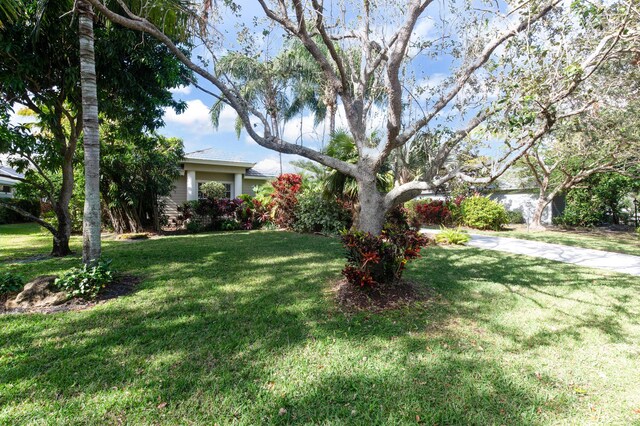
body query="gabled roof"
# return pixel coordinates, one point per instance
(253, 173)
(11, 172)
(214, 156)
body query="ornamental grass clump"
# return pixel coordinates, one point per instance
(452, 236)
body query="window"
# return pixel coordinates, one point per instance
(227, 187)
(6, 189)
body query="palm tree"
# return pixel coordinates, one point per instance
(9, 11)
(91, 224)
(166, 13)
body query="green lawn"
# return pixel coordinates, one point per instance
(229, 328)
(619, 242)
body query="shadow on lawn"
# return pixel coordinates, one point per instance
(201, 337)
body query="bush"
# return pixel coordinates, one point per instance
(285, 198)
(223, 214)
(452, 236)
(430, 212)
(515, 217)
(315, 213)
(8, 216)
(482, 213)
(87, 281)
(213, 190)
(582, 209)
(374, 260)
(10, 282)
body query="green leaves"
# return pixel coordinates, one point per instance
(87, 281)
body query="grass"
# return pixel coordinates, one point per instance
(230, 328)
(618, 242)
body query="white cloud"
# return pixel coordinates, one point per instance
(423, 29)
(181, 90)
(196, 119)
(271, 164)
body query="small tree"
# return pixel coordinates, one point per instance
(213, 189)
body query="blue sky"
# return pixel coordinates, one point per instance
(194, 125)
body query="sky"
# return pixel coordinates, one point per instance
(194, 125)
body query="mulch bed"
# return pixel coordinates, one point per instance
(380, 298)
(123, 285)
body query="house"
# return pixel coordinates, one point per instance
(8, 180)
(237, 175)
(516, 194)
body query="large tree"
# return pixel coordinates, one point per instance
(39, 69)
(607, 140)
(133, 200)
(484, 53)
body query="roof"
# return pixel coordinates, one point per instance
(214, 155)
(253, 173)
(4, 170)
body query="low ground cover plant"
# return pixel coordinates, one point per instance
(10, 282)
(452, 236)
(86, 281)
(134, 236)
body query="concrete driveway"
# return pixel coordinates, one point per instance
(624, 263)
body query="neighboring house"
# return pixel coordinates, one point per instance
(7, 183)
(198, 167)
(516, 194)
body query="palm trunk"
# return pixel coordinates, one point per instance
(91, 249)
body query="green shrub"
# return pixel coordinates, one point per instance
(87, 281)
(483, 213)
(582, 209)
(380, 259)
(452, 236)
(213, 189)
(314, 213)
(515, 217)
(10, 282)
(11, 216)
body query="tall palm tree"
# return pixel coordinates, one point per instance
(91, 224)
(169, 14)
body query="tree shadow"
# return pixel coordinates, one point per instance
(228, 320)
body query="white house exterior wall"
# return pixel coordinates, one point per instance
(524, 203)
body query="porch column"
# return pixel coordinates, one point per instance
(192, 186)
(237, 185)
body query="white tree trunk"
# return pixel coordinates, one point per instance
(536, 220)
(91, 249)
(372, 211)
